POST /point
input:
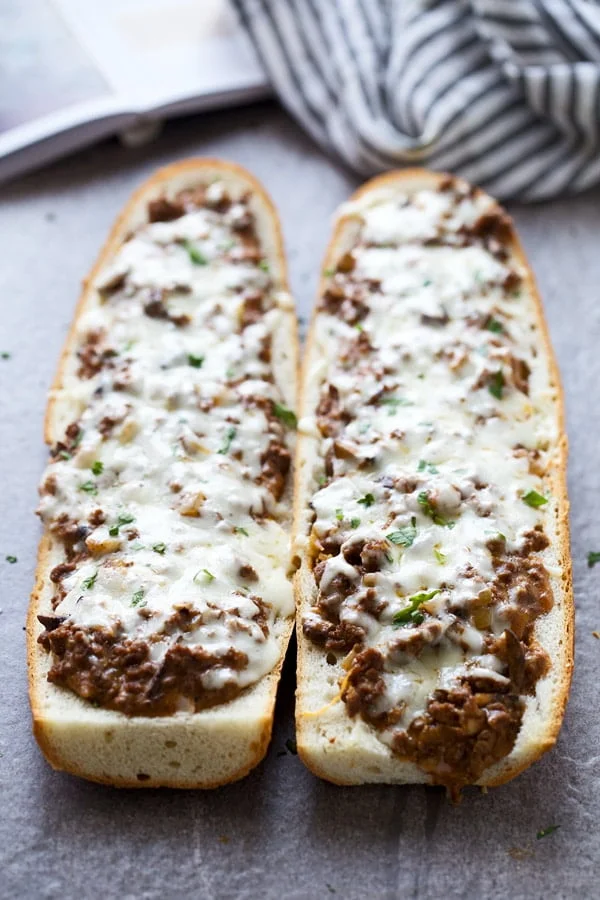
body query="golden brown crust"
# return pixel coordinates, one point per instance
(36, 657)
(508, 769)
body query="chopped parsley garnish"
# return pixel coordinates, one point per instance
(425, 466)
(78, 439)
(359, 327)
(5, 354)
(533, 499)
(287, 416)
(429, 510)
(367, 500)
(291, 746)
(593, 557)
(427, 282)
(230, 372)
(90, 487)
(97, 467)
(229, 437)
(411, 615)
(64, 454)
(322, 479)
(339, 514)
(88, 583)
(394, 403)
(208, 576)
(404, 536)
(239, 530)
(122, 519)
(159, 548)
(138, 598)
(328, 272)
(194, 254)
(264, 265)
(494, 325)
(544, 832)
(496, 384)
(441, 557)
(354, 523)
(195, 361)
(11, 559)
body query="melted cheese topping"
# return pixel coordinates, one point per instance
(171, 437)
(423, 462)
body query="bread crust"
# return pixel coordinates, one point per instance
(359, 764)
(187, 750)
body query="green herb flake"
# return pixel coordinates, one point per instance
(496, 384)
(593, 557)
(533, 499)
(195, 361)
(239, 530)
(544, 832)
(441, 557)
(64, 454)
(494, 326)
(404, 536)
(97, 467)
(208, 575)
(122, 519)
(339, 514)
(230, 372)
(429, 510)
(78, 439)
(11, 559)
(88, 583)
(291, 746)
(411, 615)
(354, 523)
(328, 272)
(287, 416)
(367, 500)
(90, 487)
(5, 354)
(159, 548)
(194, 254)
(264, 265)
(425, 466)
(229, 437)
(138, 598)
(322, 480)
(394, 402)
(427, 282)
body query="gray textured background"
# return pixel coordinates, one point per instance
(281, 832)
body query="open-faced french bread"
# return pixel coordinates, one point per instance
(162, 608)
(434, 598)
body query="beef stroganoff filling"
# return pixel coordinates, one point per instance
(165, 492)
(435, 425)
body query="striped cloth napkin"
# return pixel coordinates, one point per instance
(505, 92)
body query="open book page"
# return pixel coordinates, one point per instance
(74, 71)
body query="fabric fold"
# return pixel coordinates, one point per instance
(507, 94)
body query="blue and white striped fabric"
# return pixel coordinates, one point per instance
(504, 92)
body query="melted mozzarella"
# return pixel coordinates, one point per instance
(187, 521)
(424, 406)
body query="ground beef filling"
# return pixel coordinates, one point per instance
(465, 730)
(115, 672)
(102, 664)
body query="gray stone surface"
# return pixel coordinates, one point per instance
(281, 832)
